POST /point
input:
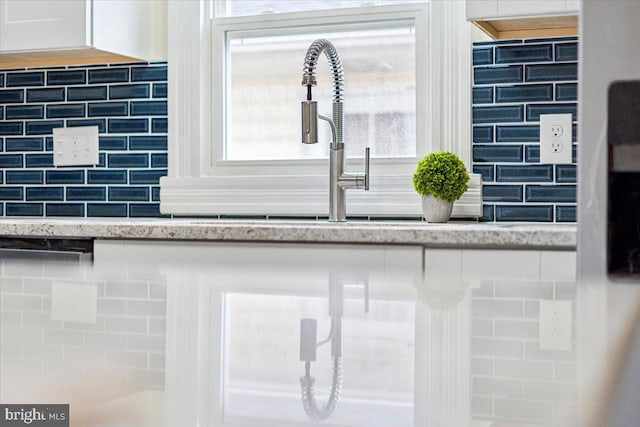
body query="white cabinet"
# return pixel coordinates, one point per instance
(41, 30)
(503, 19)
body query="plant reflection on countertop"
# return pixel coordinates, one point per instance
(440, 178)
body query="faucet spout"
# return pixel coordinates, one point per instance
(339, 181)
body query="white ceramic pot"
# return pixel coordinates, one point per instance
(436, 210)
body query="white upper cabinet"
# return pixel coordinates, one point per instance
(524, 18)
(520, 8)
(42, 30)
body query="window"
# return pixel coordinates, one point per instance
(235, 91)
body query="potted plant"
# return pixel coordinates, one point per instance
(440, 178)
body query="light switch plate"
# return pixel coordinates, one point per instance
(555, 138)
(75, 146)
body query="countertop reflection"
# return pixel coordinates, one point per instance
(315, 337)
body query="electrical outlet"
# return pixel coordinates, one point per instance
(75, 146)
(555, 138)
(555, 325)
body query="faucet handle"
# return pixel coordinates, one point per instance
(367, 160)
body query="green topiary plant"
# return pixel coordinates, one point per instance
(442, 175)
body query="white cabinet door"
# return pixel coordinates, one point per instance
(477, 9)
(41, 25)
(573, 6)
(523, 8)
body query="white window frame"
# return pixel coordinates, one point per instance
(199, 182)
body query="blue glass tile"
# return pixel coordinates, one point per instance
(502, 193)
(155, 194)
(497, 153)
(574, 154)
(105, 109)
(512, 113)
(159, 160)
(112, 143)
(123, 194)
(524, 93)
(65, 209)
(1, 79)
(11, 193)
(148, 74)
(106, 209)
(87, 93)
(65, 177)
(482, 95)
(128, 160)
(492, 75)
(534, 110)
(524, 213)
(86, 193)
(551, 72)
(67, 77)
(102, 160)
(159, 90)
(128, 125)
(45, 95)
(106, 177)
(43, 127)
(487, 213)
(10, 128)
(485, 170)
(35, 78)
(149, 108)
(566, 173)
(528, 173)
(483, 56)
(550, 193)
(25, 112)
(109, 75)
(148, 142)
(158, 125)
(39, 160)
(1, 112)
(147, 176)
(101, 123)
(565, 213)
(24, 177)
(48, 142)
(567, 92)
(10, 161)
(24, 144)
(496, 42)
(482, 134)
(518, 133)
(552, 39)
(129, 91)
(523, 53)
(65, 111)
(532, 153)
(37, 194)
(24, 209)
(567, 52)
(11, 96)
(144, 210)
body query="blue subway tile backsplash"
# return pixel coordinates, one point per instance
(128, 103)
(514, 82)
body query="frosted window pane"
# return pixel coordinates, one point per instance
(265, 91)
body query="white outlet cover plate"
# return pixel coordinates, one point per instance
(555, 325)
(547, 140)
(75, 146)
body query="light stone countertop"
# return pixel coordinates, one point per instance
(452, 234)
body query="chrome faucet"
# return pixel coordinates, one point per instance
(339, 181)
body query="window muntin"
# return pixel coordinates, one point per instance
(227, 8)
(263, 101)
